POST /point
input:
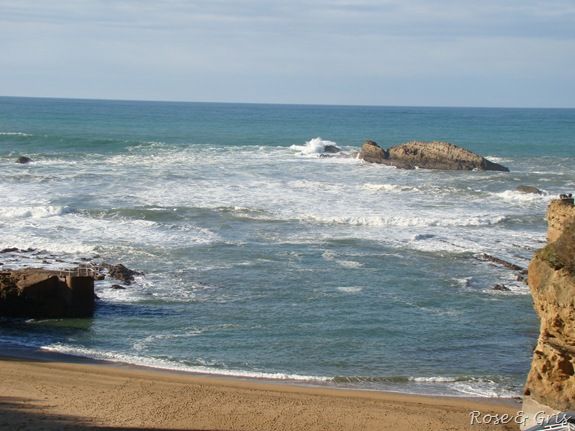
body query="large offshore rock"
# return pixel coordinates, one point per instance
(551, 380)
(427, 155)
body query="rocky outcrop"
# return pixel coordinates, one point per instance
(551, 380)
(427, 155)
(528, 189)
(521, 273)
(120, 272)
(373, 153)
(41, 293)
(559, 215)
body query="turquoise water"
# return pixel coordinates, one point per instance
(263, 258)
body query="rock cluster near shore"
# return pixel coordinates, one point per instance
(551, 380)
(427, 155)
(44, 293)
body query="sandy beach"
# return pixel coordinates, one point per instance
(51, 394)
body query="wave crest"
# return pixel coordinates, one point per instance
(398, 221)
(34, 212)
(314, 146)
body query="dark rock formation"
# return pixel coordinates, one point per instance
(501, 288)
(120, 272)
(500, 262)
(331, 149)
(551, 380)
(9, 250)
(521, 274)
(117, 287)
(528, 189)
(427, 155)
(23, 160)
(45, 294)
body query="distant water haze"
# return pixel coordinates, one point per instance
(266, 257)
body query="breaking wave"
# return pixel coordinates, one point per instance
(315, 146)
(399, 221)
(34, 212)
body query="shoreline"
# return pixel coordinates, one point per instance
(26, 352)
(93, 394)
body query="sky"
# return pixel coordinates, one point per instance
(513, 53)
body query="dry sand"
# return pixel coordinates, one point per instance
(53, 395)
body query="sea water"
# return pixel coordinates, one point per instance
(264, 257)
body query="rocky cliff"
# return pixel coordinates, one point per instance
(551, 380)
(427, 155)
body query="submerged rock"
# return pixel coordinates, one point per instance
(427, 155)
(332, 149)
(500, 262)
(528, 189)
(23, 160)
(9, 250)
(551, 380)
(501, 288)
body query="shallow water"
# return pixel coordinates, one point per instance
(263, 258)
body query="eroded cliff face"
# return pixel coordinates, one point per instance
(551, 380)
(559, 215)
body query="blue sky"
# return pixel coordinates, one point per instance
(386, 52)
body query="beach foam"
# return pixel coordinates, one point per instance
(176, 366)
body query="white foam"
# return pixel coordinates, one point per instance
(177, 366)
(314, 185)
(333, 257)
(14, 134)
(465, 386)
(483, 388)
(63, 231)
(464, 281)
(350, 289)
(393, 188)
(497, 159)
(515, 196)
(413, 221)
(328, 255)
(351, 264)
(142, 345)
(33, 212)
(314, 146)
(433, 379)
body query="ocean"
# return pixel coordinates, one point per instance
(263, 257)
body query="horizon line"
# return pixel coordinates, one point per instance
(92, 99)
